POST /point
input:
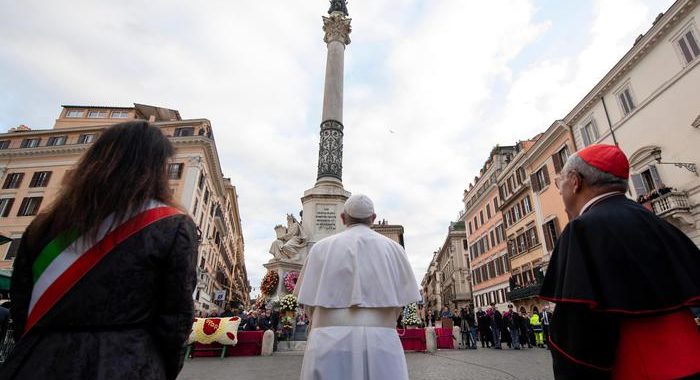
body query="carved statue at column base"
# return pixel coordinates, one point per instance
(290, 240)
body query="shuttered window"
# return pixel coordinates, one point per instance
(551, 233)
(559, 159)
(6, 206)
(689, 46)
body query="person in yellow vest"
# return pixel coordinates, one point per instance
(537, 327)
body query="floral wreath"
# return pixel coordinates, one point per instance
(290, 280)
(269, 283)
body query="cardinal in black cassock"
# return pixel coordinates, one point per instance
(622, 278)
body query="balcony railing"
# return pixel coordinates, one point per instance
(671, 203)
(524, 292)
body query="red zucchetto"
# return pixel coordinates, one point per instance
(607, 158)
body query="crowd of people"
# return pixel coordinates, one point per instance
(492, 328)
(256, 319)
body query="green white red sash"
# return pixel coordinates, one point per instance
(68, 257)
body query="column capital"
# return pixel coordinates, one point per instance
(337, 28)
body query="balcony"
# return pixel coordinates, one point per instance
(673, 205)
(524, 292)
(531, 289)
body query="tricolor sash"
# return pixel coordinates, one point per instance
(69, 257)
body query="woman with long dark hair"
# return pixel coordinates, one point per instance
(103, 280)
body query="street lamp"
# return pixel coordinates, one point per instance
(691, 167)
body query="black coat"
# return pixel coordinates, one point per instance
(127, 318)
(251, 324)
(615, 260)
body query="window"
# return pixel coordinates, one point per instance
(540, 179)
(196, 205)
(6, 206)
(516, 211)
(589, 133)
(532, 238)
(120, 114)
(520, 175)
(30, 143)
(551, 233)
(511, 184)
(175, 171)
(493, 238)
(97, 114)
(30, 206)
(40, 179)
(206, 196)
(56, 140)
(526, 205)
(75, 113)
(184, 131)
(4, 144)
(646, 181)
(495, 204)
(470, 228)
(689, 46)
(476, 224)
(201, 181)
(488, 211)
(481, 217)
(13, 181)
(626, 101)
(560, 158)
(12, 249)
(86, 138)
(500, 235)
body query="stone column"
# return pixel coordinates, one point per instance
(323, 203)
(330, 155)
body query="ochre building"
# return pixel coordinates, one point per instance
(34, 164)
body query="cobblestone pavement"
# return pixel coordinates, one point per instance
(489, 364)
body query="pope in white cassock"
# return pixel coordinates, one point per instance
(354, 285)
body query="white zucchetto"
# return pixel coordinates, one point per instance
(359, 206)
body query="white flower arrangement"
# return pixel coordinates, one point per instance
(288, 303)
(410, 316)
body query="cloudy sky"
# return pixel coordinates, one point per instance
(431, 87)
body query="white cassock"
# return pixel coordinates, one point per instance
(354, 285)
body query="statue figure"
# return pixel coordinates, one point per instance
(338, 6)
(289, 240)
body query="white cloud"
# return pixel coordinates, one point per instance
(425, 70)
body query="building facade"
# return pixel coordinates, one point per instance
(453, 261)
(34, 165)
(487, 254)
(648, 104)
(523, 235)
(392, 231)
(431, 287)
(543, 164)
